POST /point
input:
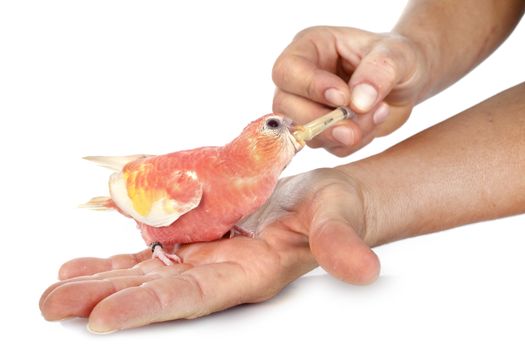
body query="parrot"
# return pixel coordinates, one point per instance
(202, 194)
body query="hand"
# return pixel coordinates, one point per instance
(133, 290)
(379, 76)
(320, 209)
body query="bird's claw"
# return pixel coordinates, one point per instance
(167, 258)
(239, 231)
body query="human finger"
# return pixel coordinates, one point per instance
(89, 266)
(139, 269)
(77, 297)
(194, 293)
(299, 74)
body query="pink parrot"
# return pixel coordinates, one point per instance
(201, 194)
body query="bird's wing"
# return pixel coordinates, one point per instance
(155, 199)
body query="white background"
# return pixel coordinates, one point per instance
(124, 77)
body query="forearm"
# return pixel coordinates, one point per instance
(468, 168)
(455, 36)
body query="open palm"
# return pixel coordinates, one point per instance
(132, 290)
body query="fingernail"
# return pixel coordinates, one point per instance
(335, 97)
(92, 331)
(343, 135)
(364, 96)
(381, 114)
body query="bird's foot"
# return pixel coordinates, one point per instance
(239, 231)
(166, 258)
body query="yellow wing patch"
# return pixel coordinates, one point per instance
(140, 191)
(155, 199)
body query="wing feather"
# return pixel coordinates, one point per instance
(155, 200)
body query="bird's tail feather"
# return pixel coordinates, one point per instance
(99, 203)
(115, 163)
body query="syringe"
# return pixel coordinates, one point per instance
(306, 132)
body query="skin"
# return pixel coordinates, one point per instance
(472, 170)
(433, 45)
(326, 216)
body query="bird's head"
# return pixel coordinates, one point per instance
(273, 131)
(268, 139)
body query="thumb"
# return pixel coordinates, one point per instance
(375, 77)
(340, 251)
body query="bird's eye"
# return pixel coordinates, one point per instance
(273, 123)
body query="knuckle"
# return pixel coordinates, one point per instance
(307, 32)
(385, 70)
(388, 67)
(278, 103)
(382, 66)
(310, 87)
(279, 70)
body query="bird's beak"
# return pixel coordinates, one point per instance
(293, 128)
(306, 132)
